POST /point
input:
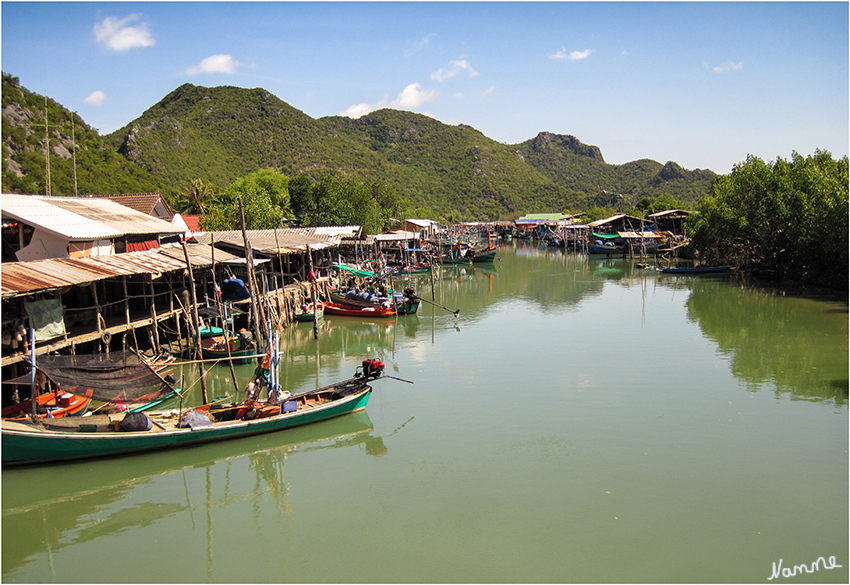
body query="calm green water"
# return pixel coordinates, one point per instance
(581, 421)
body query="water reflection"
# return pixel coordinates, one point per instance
(54, 507)
(792, 344)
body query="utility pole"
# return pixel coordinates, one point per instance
(47, 190)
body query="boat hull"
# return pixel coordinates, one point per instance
(362, 312)
(594, 249)
(239, 356)
(311, 315)
(22, 446)
(53, 403)
(484, 256)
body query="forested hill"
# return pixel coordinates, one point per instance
(223, 133)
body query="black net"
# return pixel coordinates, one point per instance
(118, 376)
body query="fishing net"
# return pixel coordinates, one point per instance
(116, 377)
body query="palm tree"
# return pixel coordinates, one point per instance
(197, 198)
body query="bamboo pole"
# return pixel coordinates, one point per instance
(249, 264)
(313, 294)
(197, 323)
(222, 316)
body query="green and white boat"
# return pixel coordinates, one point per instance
(52, 440)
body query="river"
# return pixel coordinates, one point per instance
(581, 420)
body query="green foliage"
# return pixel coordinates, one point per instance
(265, 200)
(335, 199)
(197, 198)
(786, 217)
(99, 169)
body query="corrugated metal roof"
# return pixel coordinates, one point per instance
(397, 236)
(288, 241)
(25, 277)
(599, 222)
(82, 218)
(199, 254)
(672, 213)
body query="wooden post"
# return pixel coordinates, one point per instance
(249, 262)
(313, 294)
(222, 318)
(197, 325)
(154, 322)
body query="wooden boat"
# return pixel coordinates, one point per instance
(50, 440)
(696, 270)
(404, 305)
(309, 314)
(210, 331)
(363, 312)
(484, 255)
(416, 269)
(241, 352)
(52, 404)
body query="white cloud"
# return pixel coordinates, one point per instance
(362, 109)
(412, 96)
(454, 68)
(116, 35)
(728, 67)
(215, 64)
(95, 98)
(489, 90)
(574, 56)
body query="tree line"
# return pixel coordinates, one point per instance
(786, 219)
(270, 200)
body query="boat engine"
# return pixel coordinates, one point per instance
(372, 368)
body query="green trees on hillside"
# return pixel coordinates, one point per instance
(268, 196)
(265, 198)
(786, 217)
(336, 199)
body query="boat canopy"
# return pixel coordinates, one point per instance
(606, 236)
(356, 271)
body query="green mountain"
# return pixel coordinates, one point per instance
(223, 133)
(93, 165)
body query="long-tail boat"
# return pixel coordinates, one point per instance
(49, 440)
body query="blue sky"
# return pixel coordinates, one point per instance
(701, 84)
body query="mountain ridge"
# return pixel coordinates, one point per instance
(219, 134)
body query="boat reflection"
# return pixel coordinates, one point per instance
(76, 503)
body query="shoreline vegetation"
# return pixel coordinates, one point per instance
(782, 220)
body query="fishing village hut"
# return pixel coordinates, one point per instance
(426, 228)
(618, 223)
(76, 227)
(671, 220)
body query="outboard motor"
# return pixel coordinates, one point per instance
(373, 368)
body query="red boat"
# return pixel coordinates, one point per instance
(58, 404)
(363, 312)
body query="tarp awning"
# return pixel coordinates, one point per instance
(356, 271)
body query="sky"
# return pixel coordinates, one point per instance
(701, 84)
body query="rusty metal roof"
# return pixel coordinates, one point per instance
(287, 241)
(199, 254)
